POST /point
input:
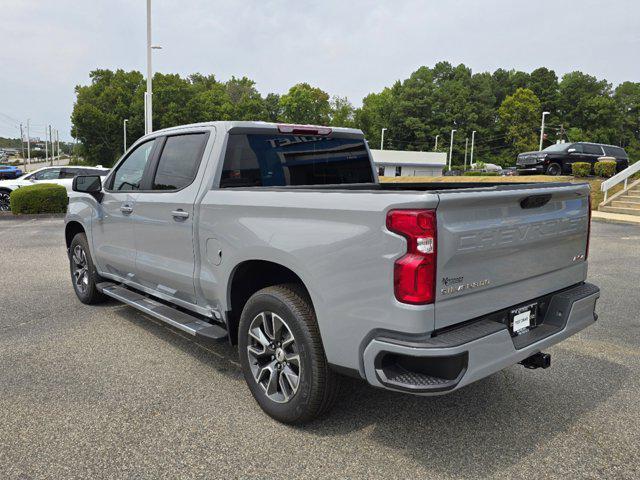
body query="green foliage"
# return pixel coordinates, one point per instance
(519, 115)
(605, 168)
(503, 107)
(40, 198)
(480, 174)
(305, 104)
(581, 169)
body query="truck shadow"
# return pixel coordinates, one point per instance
(485, 427)
(471, 433)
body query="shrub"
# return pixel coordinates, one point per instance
(605, 168)
(580, 169)
(480, 174)
(40, 198)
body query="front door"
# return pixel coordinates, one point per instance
(164, 217)
(114, 244)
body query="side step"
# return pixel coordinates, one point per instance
(191, 324)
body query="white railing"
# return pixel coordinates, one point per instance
(619, 177)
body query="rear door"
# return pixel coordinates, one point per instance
(164, 217)
(112, 231)
(591, 153)
(500, 246)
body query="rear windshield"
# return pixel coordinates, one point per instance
(616, 152)
(283, 160)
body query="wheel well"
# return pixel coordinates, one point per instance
(71, 230)
(247, 279)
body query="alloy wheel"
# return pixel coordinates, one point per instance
(80, 269)
(273, 357)
(5, 204)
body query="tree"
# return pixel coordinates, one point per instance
(305, 104)
(519, 114)
(342, 112)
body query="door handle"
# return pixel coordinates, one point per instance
(180, 214)
(126, 209)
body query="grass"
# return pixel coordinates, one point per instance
(596, 194)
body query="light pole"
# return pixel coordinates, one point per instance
(544, 114)
(466, 148)
(382, 139)
(473, 137)
(435, 147)
(148, 107)
(451, 148)
(124, 131)
(29, 142)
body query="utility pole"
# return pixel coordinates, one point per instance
(435, 147)
(124, 131)
(28, 142)
(544, 114)
(148, 106)
(50, 141)
(451, 148)
(24, 160)
(466, 146)
(58, 145)
(382, 139)
(46, 145)
(473, 137)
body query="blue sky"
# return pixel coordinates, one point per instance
(348, 48)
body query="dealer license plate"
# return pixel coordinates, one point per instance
(523, 319)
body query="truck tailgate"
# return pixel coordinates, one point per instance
(502, 246)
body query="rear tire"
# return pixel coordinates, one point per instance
(83, 272)
(5, 205)
(282, 356)
(554, 169)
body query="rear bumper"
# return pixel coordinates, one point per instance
(458, 357)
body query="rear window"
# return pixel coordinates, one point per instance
(592, 149)
(614, 151)
(283, 160)
(179, 161)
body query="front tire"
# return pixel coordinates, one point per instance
(83, 272)
(282, 357)
(554, 169)
(5, 203)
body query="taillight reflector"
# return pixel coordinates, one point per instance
(414, 275)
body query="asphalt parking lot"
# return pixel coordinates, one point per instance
(106, 392)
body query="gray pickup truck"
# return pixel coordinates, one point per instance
(279, 238)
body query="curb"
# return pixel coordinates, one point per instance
(620, 221)
(30, 216)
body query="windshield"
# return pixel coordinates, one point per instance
(557, 147)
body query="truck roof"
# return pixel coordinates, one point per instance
(257, 125)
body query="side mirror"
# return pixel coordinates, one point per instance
(571, 150)
(91, 184)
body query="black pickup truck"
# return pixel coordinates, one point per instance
(557, 159)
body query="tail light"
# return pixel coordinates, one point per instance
(414, 275)
(304, 129)
(586, 253)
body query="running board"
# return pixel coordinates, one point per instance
(172, 316)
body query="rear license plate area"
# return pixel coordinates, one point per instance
(523, 319)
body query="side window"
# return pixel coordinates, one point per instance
(179, 161)
(578, 147)
(69, 172)
(129, 173)
(47, 174)
(592, 149)
(616, 152)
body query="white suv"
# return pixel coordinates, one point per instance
(59, 175)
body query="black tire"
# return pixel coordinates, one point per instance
(554, 169)
(84, 287)
(317, 383)
(5, 206)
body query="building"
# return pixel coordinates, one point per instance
(395, 163)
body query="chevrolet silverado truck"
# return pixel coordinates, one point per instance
(279, 239)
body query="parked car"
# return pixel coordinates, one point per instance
(508, 172)
(279, 239)
(557, 159)
(8, 172)
(59, 175)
